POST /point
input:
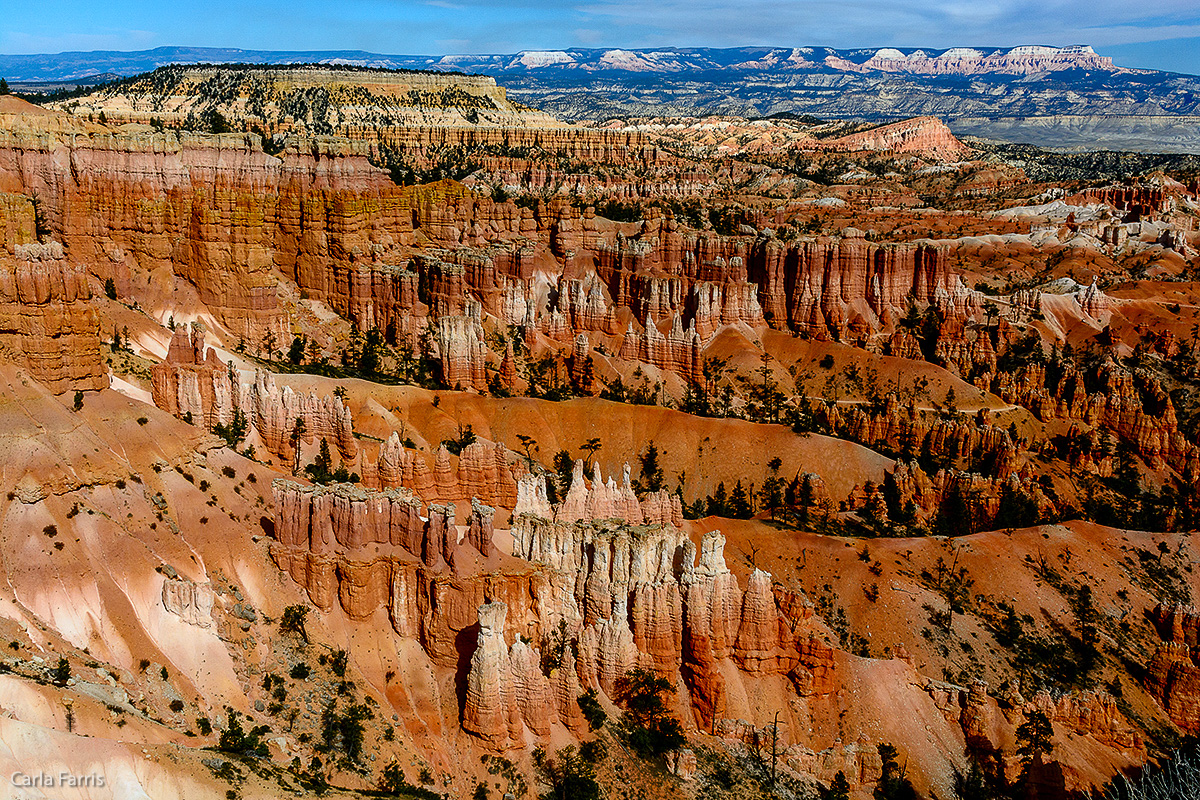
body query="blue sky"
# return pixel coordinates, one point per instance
(1164, 34)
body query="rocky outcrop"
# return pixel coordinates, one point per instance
(491, 706)
(904, 429)
(645, 601)
(925, 135)
(462, 352)
(1173, 674)
(274, 413)
(321, 519)
(922, 497)
(398, 466)
(47, 322)
(676, 351)
(662, 508)
(601, 500)
(193, 383)
(479, 527)
(531, 497)
(758, 647)
(1130, 403)
(1135, 202)
(506, 690)
(190, 601)
(484, 473)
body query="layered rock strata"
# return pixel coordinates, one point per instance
(194, 384)
(1173, 674)
(47, 321)
(604, 597)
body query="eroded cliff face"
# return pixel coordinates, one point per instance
(231, 219)
(215, 210)
(919, 134)
(47, 320)
(606, 596)
(1173, 674)
(194, 384)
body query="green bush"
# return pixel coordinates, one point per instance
(650, 729)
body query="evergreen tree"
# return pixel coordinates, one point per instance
(3, 86)
(974, 785)
(955, 517)
(1016, 509)
(296, 351)
(293, 621)
(1127, 478)
(893, 783)
(739, 503)
(771, 495)
(651, 728)
(1035, 737)
(322, 468)
(839, 788)
(651, 479)
(235, 431)
(718, 504)
(564, 466)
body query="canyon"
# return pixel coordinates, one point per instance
(408, 441)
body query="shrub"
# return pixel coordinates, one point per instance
(293, 618)
(650, 728)
(568, 774)
(62, 673)
(592, 712)
(300, 671)
(337, 663)
(235, 740)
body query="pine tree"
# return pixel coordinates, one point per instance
(296, 351)
(564, 466)
(739, 503)
(718, 504)
(1127, 476)
(771, 495)
(893, 783)
(1035, 737)
(296, 439)
(651, 479)
(839, 788)
(320, 470)
(3, 86)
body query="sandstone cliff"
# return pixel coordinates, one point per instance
(47, 322)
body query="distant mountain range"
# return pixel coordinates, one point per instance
(1068, 97)
(1025, 60)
